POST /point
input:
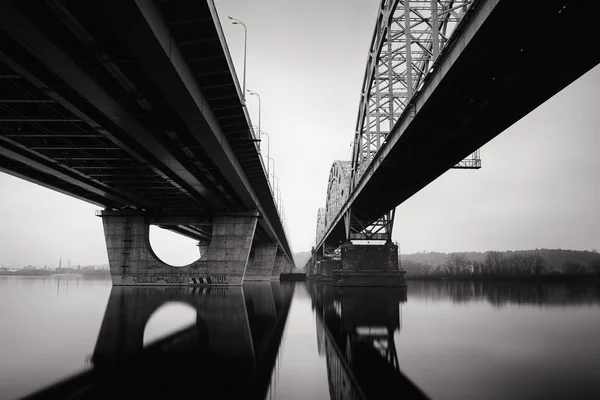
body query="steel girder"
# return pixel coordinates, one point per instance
(129, 103)
(378, 230)
(482, 83)
(408, 38)
(337, 193)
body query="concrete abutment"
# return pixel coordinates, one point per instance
(132, 261)
(368, 265)
(261, 262)
(278, 266)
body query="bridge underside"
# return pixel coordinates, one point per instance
(510, 58)
(132, 105)
(231, 257)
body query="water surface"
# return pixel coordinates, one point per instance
(438, 340)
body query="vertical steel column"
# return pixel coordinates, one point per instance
(390, 70)
(369, 133)
(390, 225)
(435, 30)
(378, 109)
(407, 37)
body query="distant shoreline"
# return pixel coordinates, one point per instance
(547, 278)
(100, 273)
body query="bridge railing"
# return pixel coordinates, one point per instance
(280, 212)
(239, 89)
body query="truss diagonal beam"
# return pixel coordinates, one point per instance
(408, 38)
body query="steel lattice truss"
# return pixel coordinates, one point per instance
(409, 36)
(337, 194)
(381, 229)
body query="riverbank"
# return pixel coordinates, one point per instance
(542, 278)
(40, 273)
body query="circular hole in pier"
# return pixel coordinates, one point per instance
(172, 248)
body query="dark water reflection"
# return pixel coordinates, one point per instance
(82, 338)
(355, 331)
(228, 352)
(501, 293)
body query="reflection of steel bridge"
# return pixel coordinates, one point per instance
(355, 332)
(443, 77)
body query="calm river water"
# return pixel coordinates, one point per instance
(70, 336)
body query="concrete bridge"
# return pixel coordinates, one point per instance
(135, 106)
(442, 79)
(230, 352)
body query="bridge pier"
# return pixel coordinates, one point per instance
(288, 266)
(202, 247)
(132, 261)
(278, 266)
(325, 269)
(321, 268)
(369, 265)
(261, 262)
(312, 265)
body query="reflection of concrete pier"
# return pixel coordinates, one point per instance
(355, 331)
(229, 352)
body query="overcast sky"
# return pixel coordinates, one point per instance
(538, 188)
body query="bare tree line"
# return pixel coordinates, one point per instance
(497, 264)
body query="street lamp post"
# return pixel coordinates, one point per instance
(268, 151)
(278, 196)
(278, 199)
(273, 174)
(257, 95)
(236, 22)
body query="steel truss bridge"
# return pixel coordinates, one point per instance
(132, 104)
(443, 77)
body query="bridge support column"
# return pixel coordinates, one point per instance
(369, 265)
(278, 266)
(132, 261)
(288, 266)
(202, 248)
(261, 262)
(325, 269)
(312, 265)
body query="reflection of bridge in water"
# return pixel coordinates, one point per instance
(355, 332)
(230, 352)
(500, 293)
